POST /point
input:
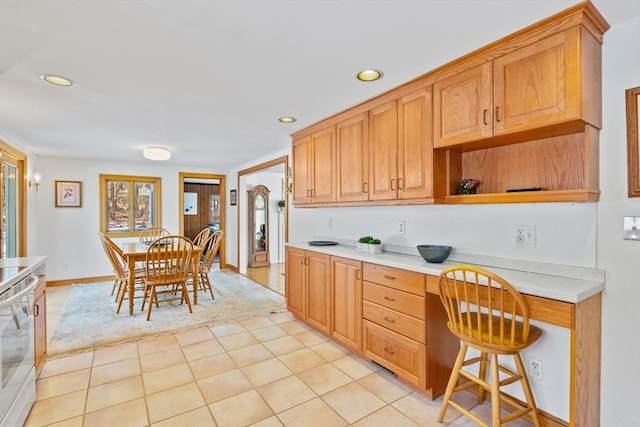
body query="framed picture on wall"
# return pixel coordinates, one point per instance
(68, 194)
(233, 197)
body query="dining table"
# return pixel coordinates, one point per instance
(135, 252)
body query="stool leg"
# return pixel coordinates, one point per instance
(482, 374)
(453, 381)
(527, 390)
(495, 391)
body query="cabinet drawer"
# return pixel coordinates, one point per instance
(403, 280)
(404, 302)
(401, 355)
(398, 322)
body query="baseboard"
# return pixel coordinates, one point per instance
(95, 279)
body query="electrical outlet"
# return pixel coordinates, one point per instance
(535, 368)
(401, 227)
(525, 234)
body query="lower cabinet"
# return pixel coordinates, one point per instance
(40, 324)
(346, 313)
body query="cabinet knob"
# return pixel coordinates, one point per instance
(389, 320)
(388, 350)
(393, 183)
(365, 187)
(389, 277)
(389, 298)
(485, 117)
(498, 113)
(399, 183)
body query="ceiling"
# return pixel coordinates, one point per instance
(208, 79)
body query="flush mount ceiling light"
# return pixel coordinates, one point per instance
(286, 119)
(57, 80)
(369, 75)
(156, 153)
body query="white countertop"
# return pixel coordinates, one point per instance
(30, 264)
(558, 287)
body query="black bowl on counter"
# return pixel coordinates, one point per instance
(434, 253)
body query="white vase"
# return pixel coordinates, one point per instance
(374, 249)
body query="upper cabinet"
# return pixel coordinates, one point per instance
(314, 167)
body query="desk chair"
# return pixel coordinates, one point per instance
(488, 314)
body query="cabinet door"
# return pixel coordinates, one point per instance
(324, 166)
(353, 158)
(415, 145)
(533, 86)
(40, 326)
(295, 281)
(319, 291)
(383, 152)
(346, 283)
(463, 106)
(302, 170)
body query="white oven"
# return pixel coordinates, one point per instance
(17, 378)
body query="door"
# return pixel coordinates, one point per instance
(302, 170)
(324, 166)
(383, 160)
(319, 291)
(346, 282)
(353, 158)
(295, 281)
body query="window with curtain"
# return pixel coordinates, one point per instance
(129, 204)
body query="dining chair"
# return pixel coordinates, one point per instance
(148, 235)
(121, 270)
(206, 263)
(489, 315)
(203, 237)
(167, 267)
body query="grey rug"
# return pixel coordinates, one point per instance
(89, 318)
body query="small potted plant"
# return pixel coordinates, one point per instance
(281, 204)
(369, 244)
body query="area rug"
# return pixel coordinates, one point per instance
(89, 320)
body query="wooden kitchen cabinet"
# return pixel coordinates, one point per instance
(314, 167)
(40, 322)
(346, 311)
(308, 288)
(353, 159)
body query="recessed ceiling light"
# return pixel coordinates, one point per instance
(57, 80)
(369, 75)
(156, 153)
(286, 119)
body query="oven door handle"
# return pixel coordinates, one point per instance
(33, 278)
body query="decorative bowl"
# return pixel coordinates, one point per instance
(434, 253)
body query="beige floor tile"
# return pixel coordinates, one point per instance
(222, 386)
(67, 364)
(386, 387)
(115, 371)
(324, 378)
(175, 401)
(105, 355)
(256, 323)
(63, 383)
(202, 349)
(267, 371)
(283, 317)
(283, 345)
(226, 329)
(250, 355)
(272, 421)
(285, 393)
(330, 350)
(128, 414)
(113, 393)
(311, 337)
(314, 413)
(71, 422)
(157, 344)
(355, 367)
(269, 333)
(353, 401)
(193, 336)
(422, 410)
(212, 365)
(240, 410)
(200, 417)
(387, 416)
(55, 409)
(301, 360)
(162, 359)
(294, 326)
(234, 342)
(167, 378)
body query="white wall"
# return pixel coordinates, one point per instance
(68, 236)
(619, 258)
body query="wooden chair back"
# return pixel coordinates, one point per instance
(168, 260)
(114, 253)
(203, 237)
(484, 310)
(210, 253)
(148, 235)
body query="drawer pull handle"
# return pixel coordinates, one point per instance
(485, 118)
(389, 320)
(388, 350)
(389, 298)
(389, 277)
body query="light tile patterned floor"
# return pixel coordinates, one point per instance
(265, 371)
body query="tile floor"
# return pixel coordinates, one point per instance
(265, 371)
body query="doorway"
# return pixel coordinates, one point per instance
(201, 202)
(274, 175)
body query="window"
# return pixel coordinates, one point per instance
(13, 202)
(129, 204)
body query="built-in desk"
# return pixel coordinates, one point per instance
(563, 296)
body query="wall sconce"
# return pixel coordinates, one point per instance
(34, 180)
